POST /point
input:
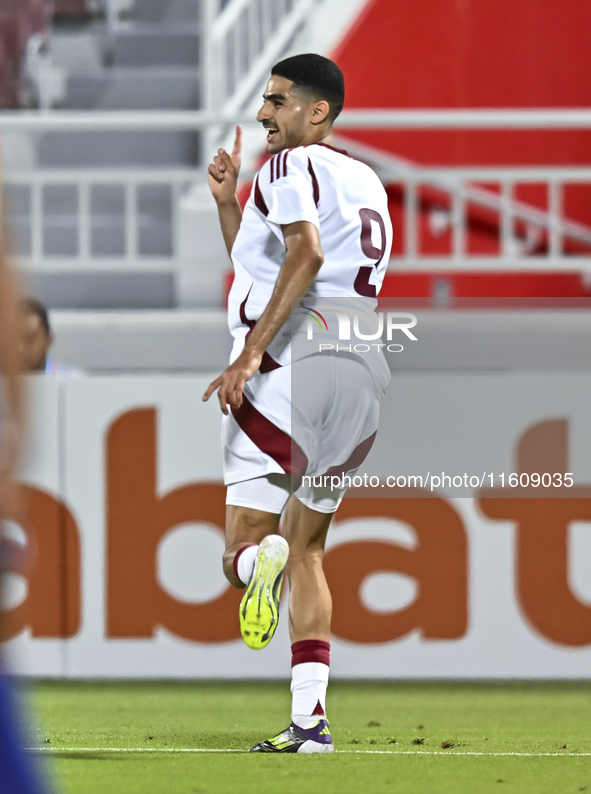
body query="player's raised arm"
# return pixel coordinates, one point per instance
(223, 180)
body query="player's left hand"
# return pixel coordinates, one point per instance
(230, 383)
(223, 172)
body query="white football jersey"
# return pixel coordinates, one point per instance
(347, 203)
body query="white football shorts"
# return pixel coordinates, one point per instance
(317, 416)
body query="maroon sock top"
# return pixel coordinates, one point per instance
(237, 557)
(310, 651)
(318, 711)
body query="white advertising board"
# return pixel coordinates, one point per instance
(124, 516)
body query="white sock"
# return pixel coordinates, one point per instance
(308, 688)
(245, 564)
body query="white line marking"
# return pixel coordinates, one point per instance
(467, 752)
(359, 752)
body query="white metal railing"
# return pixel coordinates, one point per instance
(39, 220)
(244, 41)
(514, 247)
(199, 120)
(460, 184)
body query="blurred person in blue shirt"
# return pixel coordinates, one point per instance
(18, 770)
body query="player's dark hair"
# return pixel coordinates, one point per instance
(320, 76)
(33, 306)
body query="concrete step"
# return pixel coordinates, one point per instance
(134, 89)
(103, 289)
(119, 149)
(142, 341)
(153, 47)
(77, 50)
(172, 11)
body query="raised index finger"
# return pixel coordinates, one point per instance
(237, 150)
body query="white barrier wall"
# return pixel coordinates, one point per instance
(124, 514)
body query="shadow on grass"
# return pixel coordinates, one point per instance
(94, 756)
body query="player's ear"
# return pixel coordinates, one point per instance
(320, 111)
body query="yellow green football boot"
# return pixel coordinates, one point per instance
(259, 608)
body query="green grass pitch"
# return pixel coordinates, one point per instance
(412, 738)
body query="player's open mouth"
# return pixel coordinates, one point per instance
(271, 131)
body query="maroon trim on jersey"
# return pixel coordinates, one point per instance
(314, 182)
(243, 318)
(258, 198)
(310, 651)
(268, 364)
(362, 285)
(270, 439)
(279, 164)
(334, 148)
(356, 458)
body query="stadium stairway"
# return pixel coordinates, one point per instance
(152, 62)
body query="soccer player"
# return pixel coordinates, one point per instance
(314, 241)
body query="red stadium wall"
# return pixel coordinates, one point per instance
(475, 54)
(472, 54)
